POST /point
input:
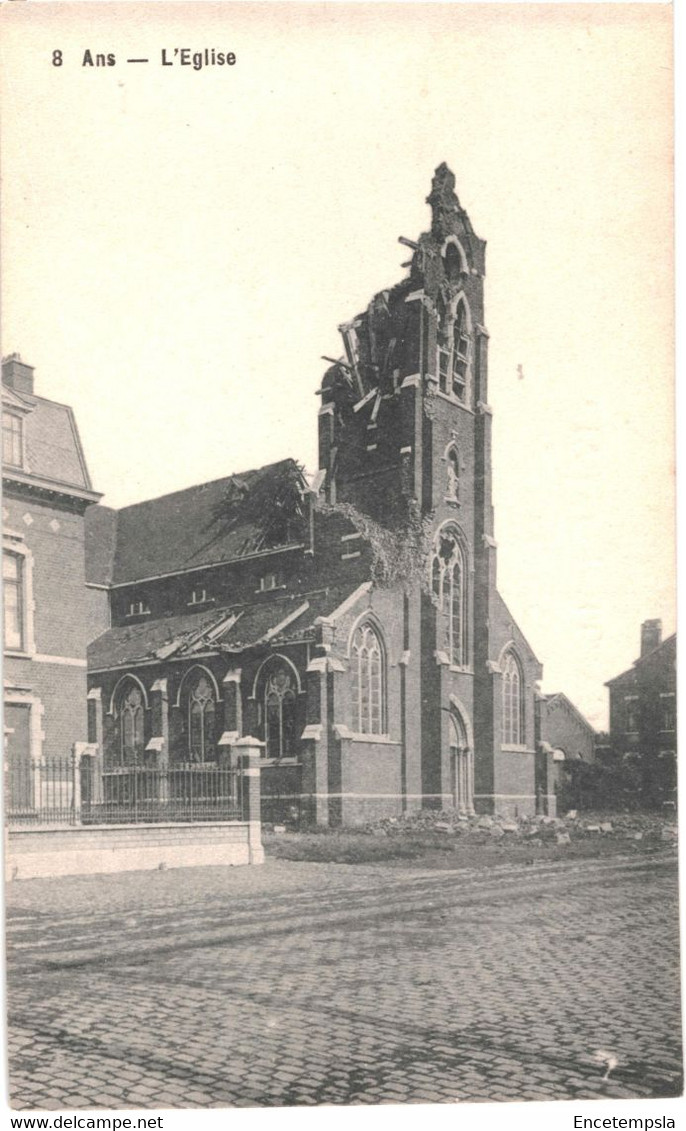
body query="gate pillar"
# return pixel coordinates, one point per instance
(247, 751)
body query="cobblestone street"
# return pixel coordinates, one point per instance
(325, 984)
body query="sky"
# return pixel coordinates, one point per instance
(180, 245)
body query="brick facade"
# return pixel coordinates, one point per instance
(566, 736)
(643, 713)
(46, 491)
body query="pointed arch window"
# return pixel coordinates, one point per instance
(455, 262)
(449, 587)
(278, 710)
(460, 357)
(200, 719)
(130, 720)
(368, 681)
(453, 351)
(513, 702)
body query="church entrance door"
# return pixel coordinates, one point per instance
(461, 766)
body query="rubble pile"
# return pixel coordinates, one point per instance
(572, 827)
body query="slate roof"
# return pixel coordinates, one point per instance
(185, 530)
(231, 628)
(53, 446)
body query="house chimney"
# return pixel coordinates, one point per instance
(17, 374)
(651, 635)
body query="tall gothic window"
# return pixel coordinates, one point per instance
(453, 351)
(513, 706)
(201, 711)
(460, 359)
(279, 712)
(130, 719)
(449, 587)
(368, 681)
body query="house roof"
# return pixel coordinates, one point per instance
(560, 696)
(200, 526)
(630, 673)
(53, 451)
(270, 619)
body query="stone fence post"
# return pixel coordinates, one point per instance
(247, 752)
(89, 752)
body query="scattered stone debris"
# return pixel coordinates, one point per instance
(653, 828)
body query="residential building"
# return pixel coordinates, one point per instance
(565, 734)
(46, 493)
(643, 713)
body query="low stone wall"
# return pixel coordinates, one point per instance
(87, 850)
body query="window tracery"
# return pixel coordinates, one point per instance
(279, 706)
(449, 588)
(130, 718)
(201, 712)
(513, 713)
(368, 681)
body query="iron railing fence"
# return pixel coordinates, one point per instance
(73, 791)
(282, 801)
(42, 791)
(294, 810)
(190, 792)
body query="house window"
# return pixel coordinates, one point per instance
(279, 712)
(631, 718)
(513, 727)
(12, 440)
(130, 720)
(138, 608)
(268, 581)
(668, 711)
(449, 588)
(13, 588)
(368, 681)
(201, 711)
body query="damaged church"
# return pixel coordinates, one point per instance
(351, 625)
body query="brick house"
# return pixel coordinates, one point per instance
(351, 624)
(565, 734)
(643, 713)
(46, 492)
